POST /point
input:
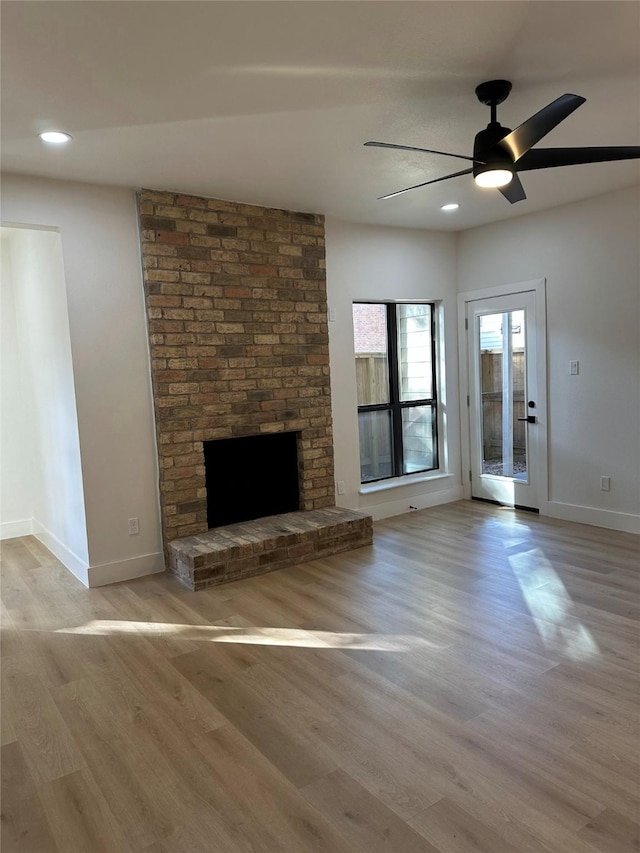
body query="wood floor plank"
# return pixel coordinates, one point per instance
(14, 553)
(11, 639)
(605, 752)
(455, 757)
(361, 818)
(453, 830)
(284, 744)
(202, 833)
(470, 683)
(212, 807)
(612, 833)
(79, 816)
(439, 739)
(47, 742)
(281, 811)
(607, 787)
(162, 684)
(397, 779)
(135, 781)
(25, 828)
(213, 664)
(395, 713)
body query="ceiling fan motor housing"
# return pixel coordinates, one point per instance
(487, 150)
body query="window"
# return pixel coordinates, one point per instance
(396, 382)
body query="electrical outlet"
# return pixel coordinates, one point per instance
(133, 526)
(340, 487)
(574, 368)
(605, 484)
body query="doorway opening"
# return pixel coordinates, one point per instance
(503, 348)
(42, 486)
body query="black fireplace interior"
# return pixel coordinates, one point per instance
(251, 477)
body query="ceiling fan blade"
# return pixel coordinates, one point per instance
(424, 150)
(426, 183)
(520, 140)
(513, 191)
(548, 158)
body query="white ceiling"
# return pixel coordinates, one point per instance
(270, 102)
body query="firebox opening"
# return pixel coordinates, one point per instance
(251, 477)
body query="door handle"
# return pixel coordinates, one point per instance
(530, 419)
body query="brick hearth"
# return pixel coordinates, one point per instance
(253, 547)
(237, 312)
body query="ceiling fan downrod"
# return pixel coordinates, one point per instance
(492, 93)
(493, 167)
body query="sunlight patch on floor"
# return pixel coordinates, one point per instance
(550, 605)
(294, 637)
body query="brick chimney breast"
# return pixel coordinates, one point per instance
(237, 315)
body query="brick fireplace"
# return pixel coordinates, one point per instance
(237, 317)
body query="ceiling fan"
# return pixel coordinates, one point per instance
(499, 153)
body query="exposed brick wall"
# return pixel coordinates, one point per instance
(237, 311)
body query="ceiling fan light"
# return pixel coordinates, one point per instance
(494, 178)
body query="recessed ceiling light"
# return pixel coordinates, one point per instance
(451, 206)
(55, 136)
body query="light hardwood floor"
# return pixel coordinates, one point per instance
(469, 683)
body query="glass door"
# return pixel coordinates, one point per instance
(502, 405)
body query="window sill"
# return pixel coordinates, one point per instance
(398, 482)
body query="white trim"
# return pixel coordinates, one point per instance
(538, 286)
(400, 507)
(12, 529)
(69, 560)
(502, 290)
(623, 521)
(27, 226)
(442, 391)
(463, 390)
(398, 482)
(124, 570)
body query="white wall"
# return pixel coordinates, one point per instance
(98, 229)
(377, 263)
(16, 440)
(48, 395)
(589, 254)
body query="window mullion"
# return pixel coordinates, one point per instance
(434, 392)
(394, 389)
(408, 404)
(377, 407)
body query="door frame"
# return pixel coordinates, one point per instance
(538, 287)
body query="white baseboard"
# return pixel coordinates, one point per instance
(623, 521)
(121, 570)
(125, 570)
(69, 560)
(399, 507)
(11, 529)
